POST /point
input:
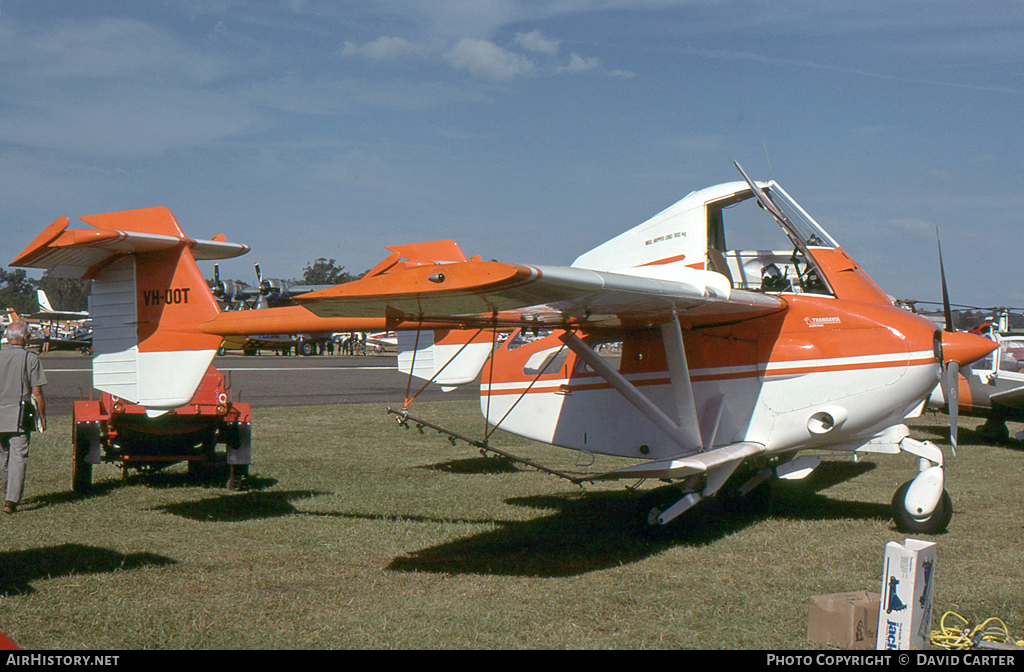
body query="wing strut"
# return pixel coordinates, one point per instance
(686, 432)
(679, 374)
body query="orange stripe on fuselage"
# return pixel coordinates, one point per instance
(814, 335)
(592, 382)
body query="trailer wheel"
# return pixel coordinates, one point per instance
(81, 471)
(236, 474)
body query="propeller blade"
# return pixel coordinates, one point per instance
(952, 385)
(264, 287)
(947, 312)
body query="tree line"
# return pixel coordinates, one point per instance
(18, 291)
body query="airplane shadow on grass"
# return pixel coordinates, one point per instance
(584, 532)
(591, 532)
(476, 465)
(19, 569)
(159, 480)
(239, 507)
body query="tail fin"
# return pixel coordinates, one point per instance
(148, 295)
(44, 303)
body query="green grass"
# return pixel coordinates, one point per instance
(355, 533)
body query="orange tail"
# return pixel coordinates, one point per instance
(148, 295)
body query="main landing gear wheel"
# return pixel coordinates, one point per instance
(937, 522)
(651, 505)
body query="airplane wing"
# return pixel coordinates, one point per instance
(1012, 399)
(687, 464)
(59, 315)
(490, 293)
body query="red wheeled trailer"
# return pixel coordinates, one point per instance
(113, 430)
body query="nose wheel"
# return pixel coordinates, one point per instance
(907, 521)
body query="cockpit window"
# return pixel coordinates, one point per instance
(762, 251)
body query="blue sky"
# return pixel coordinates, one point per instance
(528, 131)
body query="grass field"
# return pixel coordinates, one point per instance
(355, 533)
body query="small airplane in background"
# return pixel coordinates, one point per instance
(48, 313)
(992, 387)
(711, 366)
(53, 329)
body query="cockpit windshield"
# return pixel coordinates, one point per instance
(800, 223)
(770, 238)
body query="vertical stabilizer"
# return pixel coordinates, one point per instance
(44, 303)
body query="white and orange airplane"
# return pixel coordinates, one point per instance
(712, 366)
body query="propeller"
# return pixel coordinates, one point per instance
(951, 374)
(274, 290)
(218, 289)
(259, 279)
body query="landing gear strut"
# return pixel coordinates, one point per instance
(922, 505)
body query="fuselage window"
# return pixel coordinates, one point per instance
(546, 362)
(609, 351)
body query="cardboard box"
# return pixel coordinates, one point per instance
(846, 620)
(908, 578)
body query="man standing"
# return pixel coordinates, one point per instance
(21, 379)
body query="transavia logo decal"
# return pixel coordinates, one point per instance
(813, 322)
(6, 644)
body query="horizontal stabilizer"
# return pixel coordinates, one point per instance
(84, 253)
(687, 465)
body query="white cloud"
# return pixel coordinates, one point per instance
(487, 60)
(387, 48)
(579, 64)
(534, 41)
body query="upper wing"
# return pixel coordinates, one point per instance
(83, 253)
(490, 293)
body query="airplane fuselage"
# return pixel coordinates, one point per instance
(825, 373)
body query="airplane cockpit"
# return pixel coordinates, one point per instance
(753, 233)
(771, 237)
